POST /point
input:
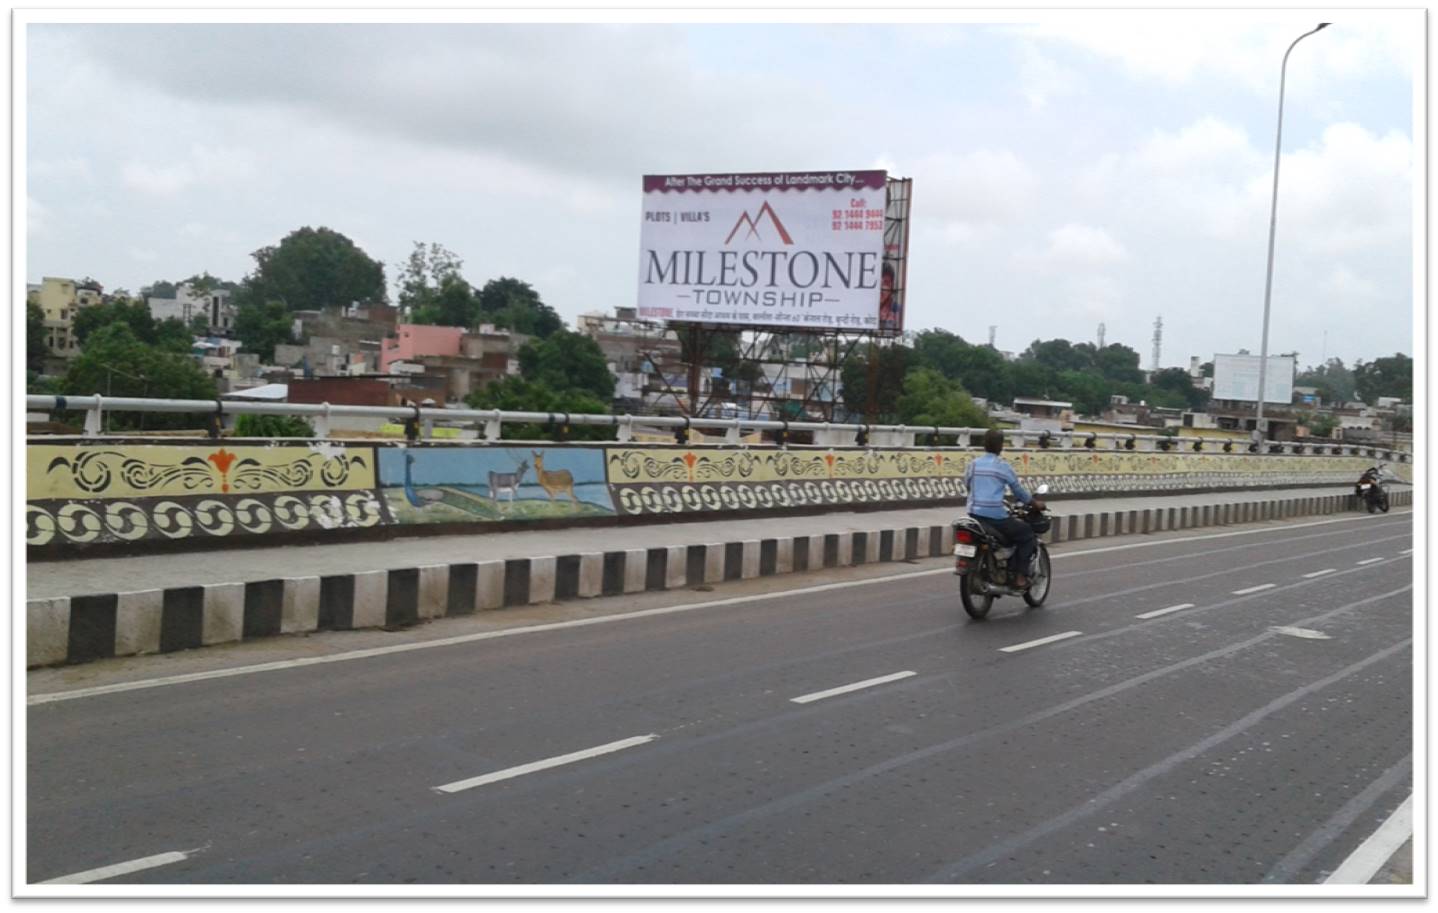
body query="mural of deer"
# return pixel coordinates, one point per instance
(506, 481)
(556, 482)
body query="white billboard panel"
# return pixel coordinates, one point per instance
(1235, 377)
(801, 250)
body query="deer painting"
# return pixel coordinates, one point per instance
(557, 482)
(506, 481)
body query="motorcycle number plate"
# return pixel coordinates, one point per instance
(1365, 486)
(964, 551)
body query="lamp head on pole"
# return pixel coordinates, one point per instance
(1322, 26)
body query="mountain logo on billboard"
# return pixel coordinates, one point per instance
(753, 223)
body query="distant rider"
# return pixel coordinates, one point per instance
(986, 478)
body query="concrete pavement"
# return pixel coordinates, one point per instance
(1260, 733)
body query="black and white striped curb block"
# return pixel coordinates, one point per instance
(77, 629)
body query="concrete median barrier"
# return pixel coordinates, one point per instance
(81, 628)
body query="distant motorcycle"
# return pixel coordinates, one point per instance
(981, 561)
(1370, 489)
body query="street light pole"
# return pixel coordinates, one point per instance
(1272, 227)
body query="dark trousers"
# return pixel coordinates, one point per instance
(1019, 534)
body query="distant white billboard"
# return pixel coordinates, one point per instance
(1235, 377)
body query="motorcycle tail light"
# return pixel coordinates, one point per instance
(963, 536)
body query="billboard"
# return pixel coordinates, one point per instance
(793, 250)
(1235, 377)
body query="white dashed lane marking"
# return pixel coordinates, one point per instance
(1327, 570)
(122, 868)
(1040, 642)
(1371, 560)
(845, 689)
(1172, 608)
(521, 770)
(1255, 589)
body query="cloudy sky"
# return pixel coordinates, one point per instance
(1068, 170)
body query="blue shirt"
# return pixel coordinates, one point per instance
(986, 478)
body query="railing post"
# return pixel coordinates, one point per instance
(322, 422)
(731, 434)
(493, 428)
(624, 429)
(94, 418)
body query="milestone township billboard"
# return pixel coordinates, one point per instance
(1235, 377)
(793, 250)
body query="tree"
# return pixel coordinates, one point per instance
(1391, 376)
(930, 398)
(515, 305)
(1089, 392)
(518, 394)
(1030, 378)
(892, 364)
(261, 327)
(116, 362)
(37, 343)
(1334, 382)
(1319, 424)
(1178, 383)
(452, 305)
(1060, 355)
(566, 361)
(312, 268)
(169, 334)
(1118, 363)
(423, 275)
(158, 289)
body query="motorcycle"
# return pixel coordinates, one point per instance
(981, 561)
(1370, 490)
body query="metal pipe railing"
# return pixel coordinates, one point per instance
(491, 421)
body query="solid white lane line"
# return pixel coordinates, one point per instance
(121, 868)
(1172, 608)
(1255, 589)
(1373, 853)
(845, 689)
(1406, 551)
(1327, 570)
(279, 665)
(1040, 642)
(521, 770)
(1370, 561)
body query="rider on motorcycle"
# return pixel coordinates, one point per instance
(986, 478)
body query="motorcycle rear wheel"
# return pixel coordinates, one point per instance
(1038, 591)
(1383, 501)
(976, 602)
(1372, 503)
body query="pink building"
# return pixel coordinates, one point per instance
(414, 340)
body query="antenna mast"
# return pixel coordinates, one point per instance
(1157, 341)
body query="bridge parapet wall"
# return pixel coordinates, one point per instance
(84, 492)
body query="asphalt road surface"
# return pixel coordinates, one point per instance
(1226, 706)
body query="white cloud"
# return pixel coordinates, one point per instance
(1345, 283)
(1243, 49)
(205, 164)
(37, 217)
(1076, 245)
(68, 168)
(1041, 78)
(986, 186)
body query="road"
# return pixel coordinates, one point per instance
(842, 728)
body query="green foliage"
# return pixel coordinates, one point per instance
(1118, 363)
(158, 289)
(200, 324)
(261, 327)
(1177, 382)
(273, 426)
(1089, 393)
(892, 364)
(116, 362)
(312, 268)
(453, 304)
(422, 277)
(1391, 376)
(1319, 424)
(36, 344)
(170, 334)
(1060, 355)
(1334, 382)
(518, 394)
(566, 361)
(930, 398)
(515, 305)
